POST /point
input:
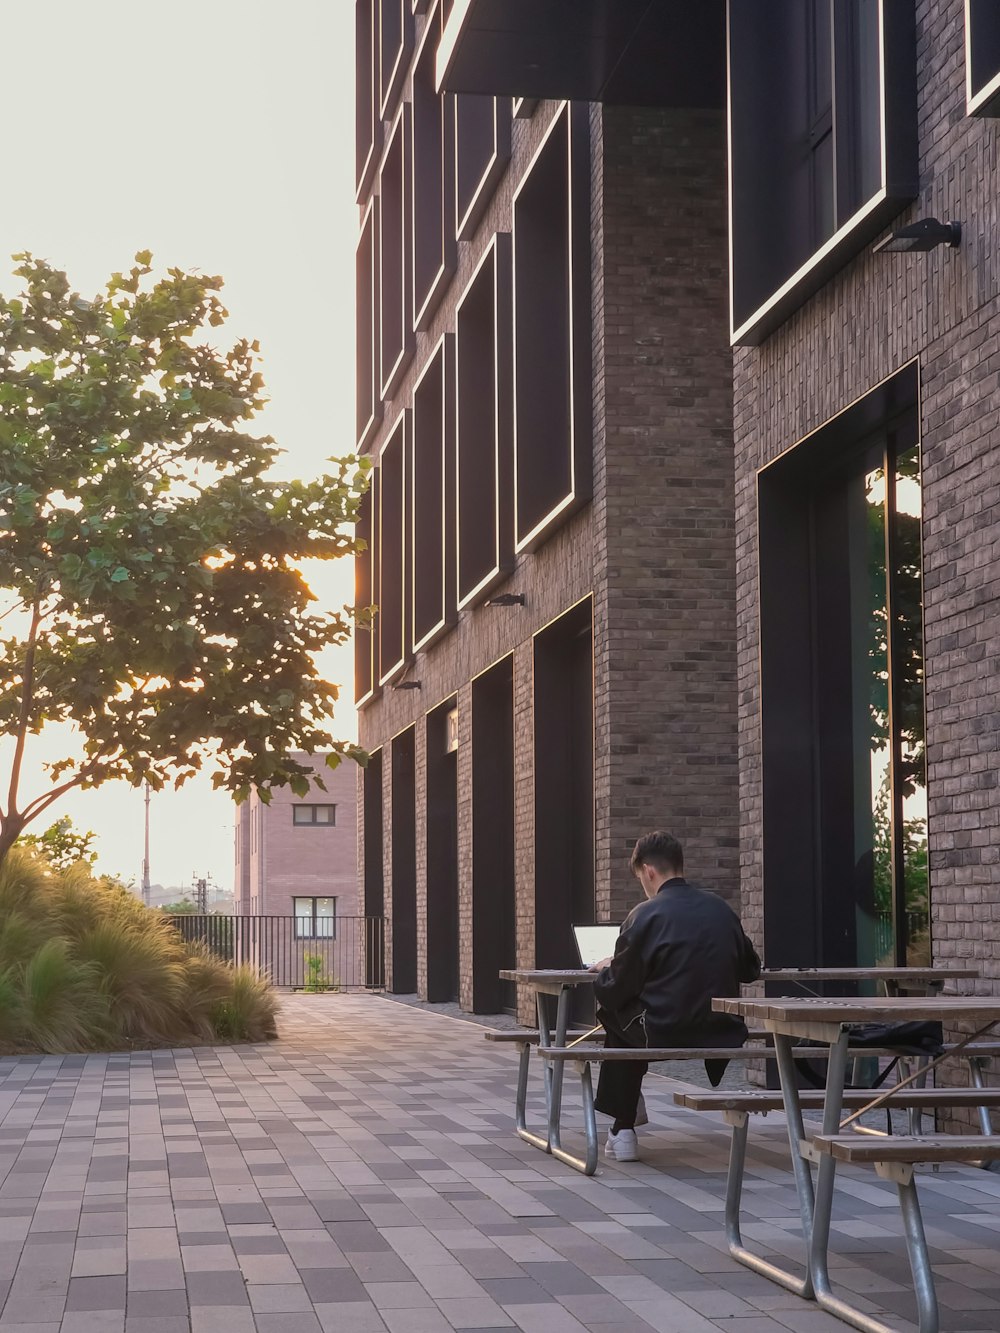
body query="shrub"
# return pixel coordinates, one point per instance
(84, 965)
(207, 984)
(141, 975)
(248, 1012)
(317, 979)
(62, 1007)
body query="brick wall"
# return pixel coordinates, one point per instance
(665, 531)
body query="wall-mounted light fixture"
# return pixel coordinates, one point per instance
(506, 599)
(407, 685)
(927, 234)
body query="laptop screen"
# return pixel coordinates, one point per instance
(595, 942)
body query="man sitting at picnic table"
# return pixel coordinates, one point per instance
(676, 952)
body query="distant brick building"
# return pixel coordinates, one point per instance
(297, 856)
(641, 563)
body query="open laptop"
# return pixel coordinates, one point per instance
(595, 942)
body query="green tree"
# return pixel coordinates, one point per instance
(148, 562)
(63, 845)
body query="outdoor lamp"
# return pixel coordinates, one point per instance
(927, 234)
(506, 599)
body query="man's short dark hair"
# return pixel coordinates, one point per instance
(660, 850)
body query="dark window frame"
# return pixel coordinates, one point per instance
(314, 918)
(494, 164)
(571, 124)
(368, 124)
(313, 806)
(392, 71)
(367, 566)
(440, 366)
(436, 214)
(795, 726)
(393, 361)
(753, 216)
(392, 664)
(367, 260)
(494, 269)
(982, 39)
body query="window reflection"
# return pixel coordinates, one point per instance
(908, 677)
(870, 682)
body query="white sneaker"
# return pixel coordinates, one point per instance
(623, 1146)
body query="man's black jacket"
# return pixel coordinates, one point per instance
(675, 953)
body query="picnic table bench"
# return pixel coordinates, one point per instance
(581, 1057)
(737, 1107)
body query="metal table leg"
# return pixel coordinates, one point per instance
(588, 1164)
(928, 1320)
(552, 1075)
(555, 1084)
(978, 1081)
(521, 1099)
(800, 1167)
(819, 1263)
(739, 1120)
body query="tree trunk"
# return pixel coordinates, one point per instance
(11, 829)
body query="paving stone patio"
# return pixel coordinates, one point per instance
(361, 1175)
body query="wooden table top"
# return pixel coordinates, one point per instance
(534, 976)
(924, 974)
(864, 1009)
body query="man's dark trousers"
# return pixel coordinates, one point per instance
(620, 1081)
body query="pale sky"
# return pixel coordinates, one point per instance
(220, 135)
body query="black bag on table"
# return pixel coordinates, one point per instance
(912, 1038)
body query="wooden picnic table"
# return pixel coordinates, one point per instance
(829, 1020)
(553, 988)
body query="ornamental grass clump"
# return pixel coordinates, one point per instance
(84, 965)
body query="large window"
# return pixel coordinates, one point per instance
(315, 918)
(393, 601)
(552, 337)
(395, 334)
(431, 498)
(483, 426)
(822, 100)
(366, 582)
(368, 403)
(433, 172)
(845, 798)
(482, 150)
(982, 56)
(368, 125)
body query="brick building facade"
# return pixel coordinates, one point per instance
(297, 850)
(918, 333)
(786, 558)
(521, 748)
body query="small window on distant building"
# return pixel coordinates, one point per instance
(315, 918)
(314, 814)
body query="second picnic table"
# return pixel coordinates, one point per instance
(829, 1020)
(896, 980)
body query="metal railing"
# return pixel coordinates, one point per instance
(348, 955)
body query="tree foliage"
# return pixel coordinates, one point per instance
(148, 562)
(63, 845)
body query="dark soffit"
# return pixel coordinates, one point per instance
(631, 52)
